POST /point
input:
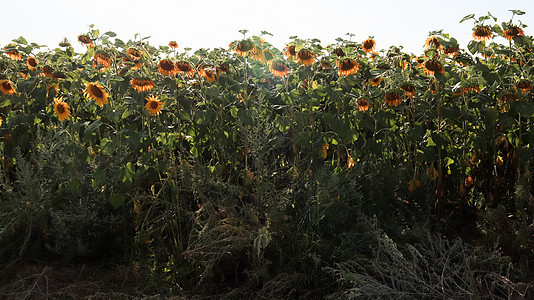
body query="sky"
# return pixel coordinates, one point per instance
(215, 23)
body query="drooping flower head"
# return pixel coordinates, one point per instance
(451, 50)
(409, 90)
(96, 92)
(206, 71)
(523, 86)
(167, 68)
(185, 68)
(482, 33)
(154, 105)
(134, 54)
(339, 52)
(85, 40)
(101, 59)
(244, 47)
(393, 98)
(173, 44)
(61, 109)
(375, 81)
(347, 66)
(13, 54)
(279, 69)
(368, 45)
(50, 88)
(432, 66)
(222, 68)
(363, 104)
(142, 84)
(433, 42)
(513, 32)
(305, 57)
(47, 71)
(7, 87)
(290, 52)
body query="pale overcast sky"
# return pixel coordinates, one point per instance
(215, 23)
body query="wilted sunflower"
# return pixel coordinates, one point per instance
(368, 45)
(167, 68)
(523, 86)
(305, 57)
(375, 81)
(451, 50)
(101, 59)
(325, 64)
(513, 32)
(244, 47)
(433, 43)
(153, 105)
(290, 51)
(46, 71)
(363, 104)
(94, 91)
(432, 66)
(222, 68)
(347, 66)
(31, 62)
(173, 44)
(268, 56)
(61, 109)
(142, 84)
(393, 98)
(279, 69)
(339, 52)
(51, 87)
(409, 90)
(7, 87)
(13, 54)
(482, 33)
(508, 96)
(186, 68)
(85, 40)
(134, 54)
(209, 75)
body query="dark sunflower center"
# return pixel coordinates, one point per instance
(84, 39)
(482, 32)
(514, 31)
(509, 97)
(304, 54)
(408, 88)
(154, 104)
(392, 96)
(32, 62)
(433, 66)
(339, 52)
(60, 108)
(346, 64)
(183, 66)
(291, 50)
(524, 85)
(280, 67)
(96, 91)
(368, 44)
(166, 65)
(245, 46)
(6, 85)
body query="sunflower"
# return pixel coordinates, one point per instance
(279, 69)
(409, 90)
(508, 97)
(173, 44)
(368, 45)
(451, 50)
(244, 47)
(347, 66)
(7, 87)
(1, 121)
(134, 54)
(523, 86)
(46, 71)
(305, 57)
(268, 56)
(153, 105)
(432, 66)
(433, 42)
(101, 59)
(375, 81)
(257, 54)
(186, 68)
(513, 32)
(222, 68)
(13, 54)
(325, 64)
(339, 52)
(290, 51)
(61, 109)
(207, 74)
(31, 62)
(482, 33)
(167, 68)
(85, 40)
(93, 90)
(363, 104)
(393, 98)
(142, 84)
(51, 87)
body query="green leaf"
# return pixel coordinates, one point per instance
(128, 173)
(117, 200)
(110, 34)
(471, 16)
(99, 177)
(93, 126)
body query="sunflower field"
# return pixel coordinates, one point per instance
(249, 172)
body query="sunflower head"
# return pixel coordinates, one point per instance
(523, 86)
(432, 66)
(206, 71)
(154, 105)
(363, 104)
(368, 45)
(279, 69)
(339, 52)
(222, 68)
(7, 87)
(85, 40)
(508, 96)
(290, 51)
(451, 50)
(47, 71)
(375, 81)
(142, 84)
(167, 68)
(31, 62)
(409, 89)
(347, 66)
(101, 59)
(13, 54)
(244, 47)
(134, 54)
(393, 97)
(185, 68)
(96, 92)
(61, 109)
(305, 57)
(52, 90)
(173, 44)
(433, 42)
(482, 33)
(513, 32)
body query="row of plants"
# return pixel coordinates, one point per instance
(249, 169)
